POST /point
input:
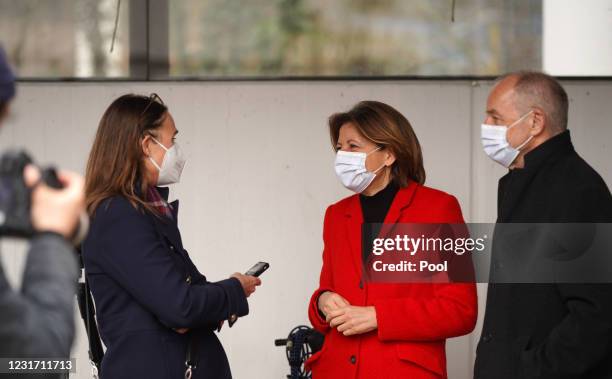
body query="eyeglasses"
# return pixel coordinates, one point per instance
(153, 98)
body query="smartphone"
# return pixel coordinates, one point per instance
(258, 269)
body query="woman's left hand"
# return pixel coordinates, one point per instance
(351, 320)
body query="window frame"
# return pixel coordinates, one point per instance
(149, 59)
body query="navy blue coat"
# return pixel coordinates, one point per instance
(144, 284)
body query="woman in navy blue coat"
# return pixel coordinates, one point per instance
(151, 300)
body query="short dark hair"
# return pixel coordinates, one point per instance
(539, 89)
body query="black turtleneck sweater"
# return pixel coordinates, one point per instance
(374, 209)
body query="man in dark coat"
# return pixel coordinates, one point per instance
(37, 321)
(547, 330)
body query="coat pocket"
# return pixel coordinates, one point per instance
(428, 356)
(138, 354)
(313, 360)
(522, 359)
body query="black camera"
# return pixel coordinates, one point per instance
(16, 197)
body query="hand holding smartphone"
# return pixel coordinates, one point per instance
(258, 269)
(248, 284)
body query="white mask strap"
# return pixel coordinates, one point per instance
(373, 151)
(151, 158)
(520, 119)
(159, 143)
(524, 143)
(378, 169)
(155, 163)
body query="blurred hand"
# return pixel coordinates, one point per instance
(52, 209)
(329, 301)
(249, 283)
(351, 320)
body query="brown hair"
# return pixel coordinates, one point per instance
(115, 164)
(387, 128)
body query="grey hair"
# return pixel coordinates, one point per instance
(537, 89)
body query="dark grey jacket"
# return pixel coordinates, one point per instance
(38, 321)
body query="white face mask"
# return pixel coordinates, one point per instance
(495, 142)
(172, 165)
(351, 170)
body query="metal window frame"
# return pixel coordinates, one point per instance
(149, 39)
(149, 58)
(310, 79)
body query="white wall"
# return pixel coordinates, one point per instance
(577, 37)
(260, 175)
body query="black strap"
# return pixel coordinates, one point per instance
(88, 314)
(192, 351)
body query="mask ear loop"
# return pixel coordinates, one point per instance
(524, 143)
(383, 165)
(518, 121)
(155, 164)
(375, 150)
(158, 167)
(378, 169)
(159, 143)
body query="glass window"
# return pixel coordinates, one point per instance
(176, 39)
(65, 38)
(353, 37)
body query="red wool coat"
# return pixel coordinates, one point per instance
(414, 319)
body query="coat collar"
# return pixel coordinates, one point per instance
(402, 200)
(354, 219)
(164, 192)
(512, 186)
(164, 225)
(561, 143)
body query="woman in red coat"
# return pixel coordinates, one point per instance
(372, 329)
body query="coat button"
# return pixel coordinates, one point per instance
(188, 280)
(353, 359)
(171, 247)
(233, 318)
(487, 338)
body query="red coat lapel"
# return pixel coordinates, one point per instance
(354, 220)
(402, 200)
